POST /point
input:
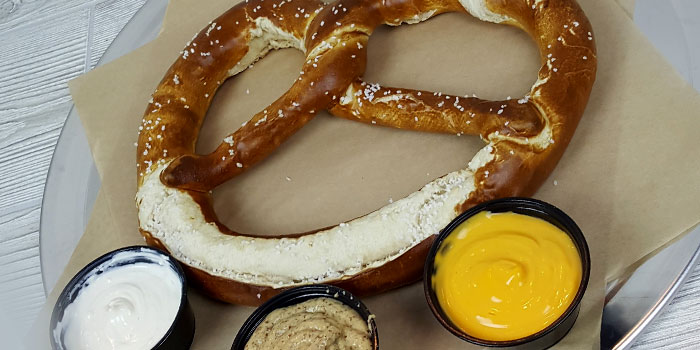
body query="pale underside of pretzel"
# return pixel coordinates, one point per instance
(524, 139)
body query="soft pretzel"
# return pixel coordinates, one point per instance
(386, 248)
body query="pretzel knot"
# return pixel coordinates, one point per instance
(525, 138)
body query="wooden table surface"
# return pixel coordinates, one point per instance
(45, 43)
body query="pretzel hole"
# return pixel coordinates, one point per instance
(337, 169)
(247, 93)
(426, 56)
(334, 170)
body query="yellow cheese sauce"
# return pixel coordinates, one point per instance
(505, 276)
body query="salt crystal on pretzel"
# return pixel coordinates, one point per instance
(385, 249)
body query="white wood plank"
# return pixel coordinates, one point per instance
(20, 255)
(48, 9)
(109, 18)
(11, 10)
(677, 326)
(37, 64)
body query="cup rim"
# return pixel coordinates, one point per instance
(298, 295)
(73, 287)
(520, 205)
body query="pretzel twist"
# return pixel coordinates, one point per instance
(384, 249)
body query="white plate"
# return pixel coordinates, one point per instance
(631, 302)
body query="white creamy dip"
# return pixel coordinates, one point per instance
(128, 307)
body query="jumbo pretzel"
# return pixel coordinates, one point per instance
(386, 248)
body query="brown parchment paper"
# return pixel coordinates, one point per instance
(629, 178)
(627, 6)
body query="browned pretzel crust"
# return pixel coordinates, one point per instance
(525, 139)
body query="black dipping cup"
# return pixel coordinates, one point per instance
(298, 295)
(180, 334)
(526, 206)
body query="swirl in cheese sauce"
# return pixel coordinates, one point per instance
(127, 307)
(505, 276)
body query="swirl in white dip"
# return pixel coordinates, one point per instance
(128, 307)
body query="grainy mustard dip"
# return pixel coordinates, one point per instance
(316, 324)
